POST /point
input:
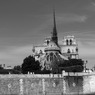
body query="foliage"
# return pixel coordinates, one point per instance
(44, 71)
(1, 68)
(30, 65)
(72, 62)
(17, 68)
(7, 71)
(55, 67)
(72, 65)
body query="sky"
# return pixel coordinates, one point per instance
(24, 23)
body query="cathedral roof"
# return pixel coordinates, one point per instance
(52, 46)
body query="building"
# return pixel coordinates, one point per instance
(70, 47)
(52, 51)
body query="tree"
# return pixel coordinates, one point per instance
(55, 68)
(72, 65)
(1, 68)
(17, 68)
(55, 65)
(30, 65)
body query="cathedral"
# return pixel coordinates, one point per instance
(52, 52)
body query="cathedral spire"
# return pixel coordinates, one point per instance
(54, 28)
(54, 33)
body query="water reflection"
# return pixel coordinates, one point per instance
(80, 84)
(74, 84)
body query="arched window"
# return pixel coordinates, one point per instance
(76, 49)
(54, 56)
(51, 56)
(56, 53)
(41, 52)
(48, 58)
(66, 42)
(47, 42)
(68, 51)
(70, 42)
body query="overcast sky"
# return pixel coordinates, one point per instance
(27, 22)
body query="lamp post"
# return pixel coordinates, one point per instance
(94, 68)
(85, 65)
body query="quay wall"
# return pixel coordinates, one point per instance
(31, 84)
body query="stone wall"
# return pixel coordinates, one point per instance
(29, 85)
(40, 84)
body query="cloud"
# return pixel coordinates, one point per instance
(70, 18)
(91, 6)
(67, 18)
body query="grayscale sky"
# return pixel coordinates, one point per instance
(27, 22)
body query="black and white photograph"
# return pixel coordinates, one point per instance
(47, 47)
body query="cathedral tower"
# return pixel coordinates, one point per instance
(54, 37)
